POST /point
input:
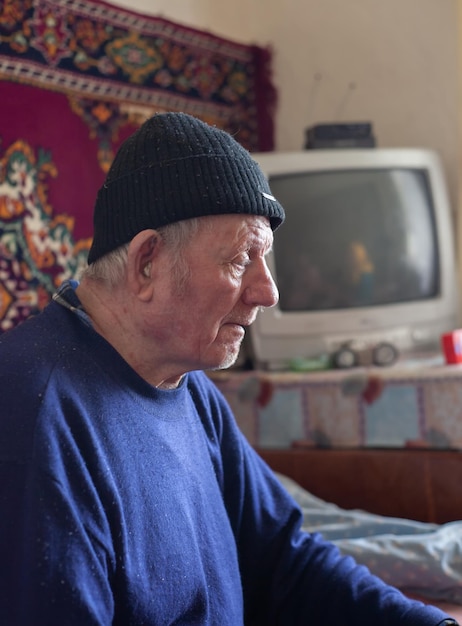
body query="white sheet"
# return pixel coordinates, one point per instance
(419, 558)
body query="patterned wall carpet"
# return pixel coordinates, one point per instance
(76, 78)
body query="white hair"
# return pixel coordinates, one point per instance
(110, 269)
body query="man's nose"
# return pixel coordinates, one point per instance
(261, 290)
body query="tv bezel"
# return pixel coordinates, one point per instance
(279, 337)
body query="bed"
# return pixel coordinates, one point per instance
(422, 559)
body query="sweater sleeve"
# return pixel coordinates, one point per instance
(62, 561)
(291, 577)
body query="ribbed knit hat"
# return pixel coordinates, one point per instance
(175, 167)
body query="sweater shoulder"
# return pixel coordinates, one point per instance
(32, 350)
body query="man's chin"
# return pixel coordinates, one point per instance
(228, 360)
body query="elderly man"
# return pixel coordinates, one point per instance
(128, 494)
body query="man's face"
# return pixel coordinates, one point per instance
(202, 325)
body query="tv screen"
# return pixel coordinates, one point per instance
(355, 238)
(364, 257)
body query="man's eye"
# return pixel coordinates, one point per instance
(241, 262)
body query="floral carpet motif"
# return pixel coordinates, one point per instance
(76, 78)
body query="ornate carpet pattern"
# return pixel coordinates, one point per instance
(76, 78)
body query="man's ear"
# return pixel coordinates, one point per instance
(142, 251)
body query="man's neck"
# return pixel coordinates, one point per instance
(114, 318)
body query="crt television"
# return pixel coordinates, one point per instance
(365, 256)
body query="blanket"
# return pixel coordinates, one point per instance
(421, 559)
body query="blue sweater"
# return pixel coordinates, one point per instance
(124, 504)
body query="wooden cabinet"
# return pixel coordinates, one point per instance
(425, 485)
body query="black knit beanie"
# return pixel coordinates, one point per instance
(176, 167)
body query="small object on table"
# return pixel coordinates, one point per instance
(452, 347)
